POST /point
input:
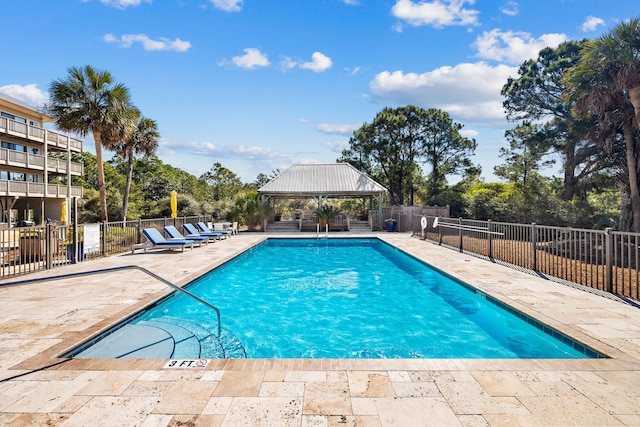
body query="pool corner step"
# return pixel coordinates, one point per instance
(187, 344)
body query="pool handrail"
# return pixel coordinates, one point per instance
(465, 227)
(123, 267)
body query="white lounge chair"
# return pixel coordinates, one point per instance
(202, 227)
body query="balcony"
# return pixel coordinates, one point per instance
(54, 140)
(37, 189)
(36, 162)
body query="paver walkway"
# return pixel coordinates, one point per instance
(40, 321)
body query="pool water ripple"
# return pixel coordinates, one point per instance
(356, 298)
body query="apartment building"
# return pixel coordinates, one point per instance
(26, 167)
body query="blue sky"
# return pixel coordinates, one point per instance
(260, 85)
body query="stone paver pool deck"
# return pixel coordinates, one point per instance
(40, 321)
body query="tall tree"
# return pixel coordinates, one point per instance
(605, 86)
(399, 140)
(380, 149)
(537, 94)
(445, 150)
(88, 101)
(525, 156)
(224, 184)
(142, 141)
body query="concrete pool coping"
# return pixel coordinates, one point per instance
(42, 321)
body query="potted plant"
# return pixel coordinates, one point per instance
(391, 224)
(326, 213)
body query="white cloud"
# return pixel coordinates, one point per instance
(336, 129)
(228, 5)
(469, 133)
(337, 146)
(319, 63)
(352, 71)
(288, 63)
(245, 160)
(512, 46)
(591, 23)
(251, 59)
(127, 40)
(29, 94)
(510, 8)
(121, 4)
(209, 149)
(469, 91)
(438, 13)
(351, 2)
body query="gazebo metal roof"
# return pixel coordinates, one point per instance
(322, 180)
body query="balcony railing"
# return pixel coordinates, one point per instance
(36, 161)
(63, 141)
(37, 134)
(60, 166)
(37, 189)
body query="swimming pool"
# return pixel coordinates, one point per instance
(333, 298)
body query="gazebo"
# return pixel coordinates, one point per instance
(323, 181)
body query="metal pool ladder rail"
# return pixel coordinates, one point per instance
(124, 267)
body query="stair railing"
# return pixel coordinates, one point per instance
(124, 267)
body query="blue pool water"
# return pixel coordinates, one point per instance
(341, 298)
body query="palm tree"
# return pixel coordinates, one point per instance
(142, 141)
(88, 101)
(605, 84)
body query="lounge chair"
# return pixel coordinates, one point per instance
(174, 234)
(157, 240)
(202, 227)
(223, 227)
(211, 235)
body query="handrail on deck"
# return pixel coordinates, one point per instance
(124, 267)
(465, 227)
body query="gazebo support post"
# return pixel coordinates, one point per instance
(380, 212)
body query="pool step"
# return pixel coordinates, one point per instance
(185, 341)
(131, 341)
(195, 341)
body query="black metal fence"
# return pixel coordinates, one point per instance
(606, 260)
(28, 249)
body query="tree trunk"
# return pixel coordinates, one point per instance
(127, 187)
(626, 217)
(632, 167)
(97, 137)
(569, 167)
(634, 98)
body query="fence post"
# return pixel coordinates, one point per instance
(460, 234)
(608, 250)
(49, 242)
(138, 227)
(490, 239)
(534, 253)
(103, 241)
(74, 222)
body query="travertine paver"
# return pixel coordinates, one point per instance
(40, 321)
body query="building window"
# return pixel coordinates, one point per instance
(13, 146)
(14, 118)
(17, 176)
(19, 147)
(14, 176)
